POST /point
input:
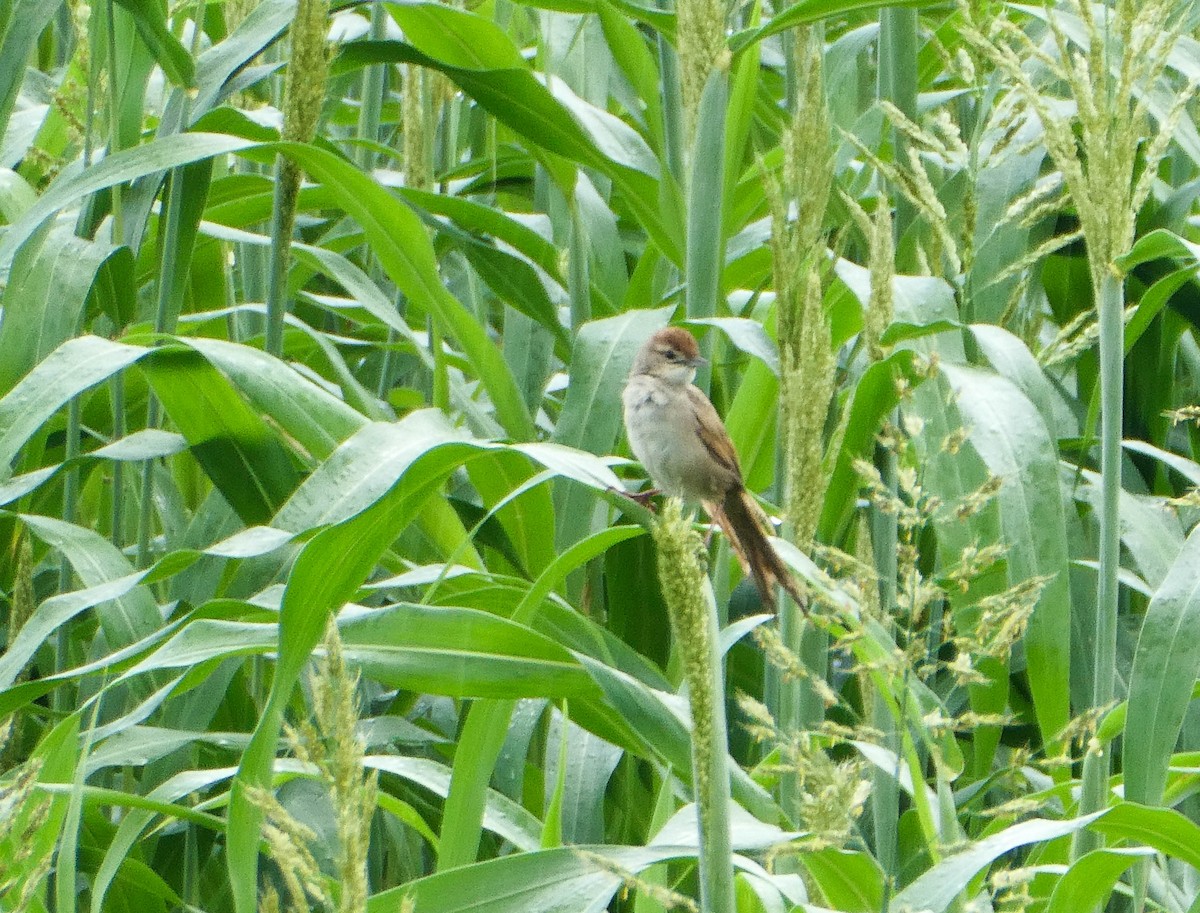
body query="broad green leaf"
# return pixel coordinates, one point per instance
(851, 881)
(131, 614)
(808, 11)
(70, 369)
(172, 56)
(936, 889)
(239, 451)
(120, 167)
(1011, 438)
(874, 398)
(1090, 879)
(404, 250)
(562, 125)
(19, 31)
(461, 653)
(1168, 652)
(45, 299)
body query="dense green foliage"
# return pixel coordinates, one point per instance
(279, 345)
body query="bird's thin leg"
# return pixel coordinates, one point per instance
(641, 497)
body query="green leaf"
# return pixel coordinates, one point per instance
(461, 653)
(874, 398)
(559, 123)
(172, 56)
(70, 369)
(19, 31)
(1168, 652)
(1090, 879)
(850, 881)
(238, 450)
(936, 888)
(1011, 437)
(48, 289)
(404, 250)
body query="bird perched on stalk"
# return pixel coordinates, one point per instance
(679, 438)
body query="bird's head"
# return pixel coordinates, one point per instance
(670, 354)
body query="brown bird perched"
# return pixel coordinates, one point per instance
(679, 438)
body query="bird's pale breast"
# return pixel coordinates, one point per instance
(663, 436)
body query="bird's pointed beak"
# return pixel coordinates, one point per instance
(698, 361)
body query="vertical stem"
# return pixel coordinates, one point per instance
(174, 264)
(898, 84)
(672, 101)
(283, 213)
(710, 768)
(145, 505)
(70, 503)
(1097, 763)
(440, 396)
(114, 119)
(705, 253)
(118, 470)
(578, 278)
(898, 49)
(373, 86)
(693, 613)
(885, 798)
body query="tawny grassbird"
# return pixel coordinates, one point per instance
(679, 438)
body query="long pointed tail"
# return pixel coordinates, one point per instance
(743, 522)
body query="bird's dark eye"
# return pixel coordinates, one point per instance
(671, 354)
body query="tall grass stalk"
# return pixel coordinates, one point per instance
(303, 95)
(693, 615)
(174, 264)
(897, 85)
(705, 252)
(807, 366)
(1097, 150)
(899, 48)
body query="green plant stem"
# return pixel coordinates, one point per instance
(693, 613)
(374, 84)
(705, 253)
(672, 102)
(283, 219)
(70, 507)
(898, 49)
(114, 118)
(710, 773)
(118, 470)
(578, 279)
(440, 394)
(1098, 762)
(885, 798)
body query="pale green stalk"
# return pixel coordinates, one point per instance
(118, 380)
(672, 95)
(374, 85)
(173, 265)
(1107, 168)
(114, 118)
(578, 274)
(705, 251)
(304, 93)
(880, 541)
(898, 49)
(1110, 303)
(807, 367)
(693, 614)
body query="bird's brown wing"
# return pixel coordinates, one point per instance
(712, 434)
(745, 525)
